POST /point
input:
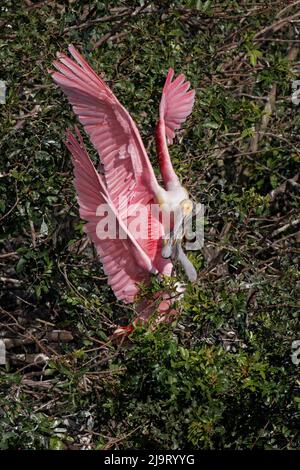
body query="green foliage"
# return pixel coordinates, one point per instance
(221, 376)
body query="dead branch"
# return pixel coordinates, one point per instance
(38, 383)
(9, 280)
(267, 113)
(283, 187)
(285, 227)
(114, 30)
(13, 254)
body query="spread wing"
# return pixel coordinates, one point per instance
(128, 174)
(128, 183)
(176, 103)
(124, 261)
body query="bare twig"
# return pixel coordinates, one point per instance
(33, 234)
(114, 29)
(282, 188)
(267, 113)
(9, 280)
(10, 210)
(103, 19)
(38, 383)
(285, 227)
(113, 441)
(12, 254)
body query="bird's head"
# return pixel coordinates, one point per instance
(186, 207)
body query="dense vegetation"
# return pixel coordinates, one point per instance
(221, 377)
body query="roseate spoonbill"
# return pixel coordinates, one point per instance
(127, 178)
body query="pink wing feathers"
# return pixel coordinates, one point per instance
(111, 129)
(176, 103)
(124, 261)
(128, 183)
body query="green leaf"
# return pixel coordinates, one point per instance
(56, 444)
(20, 265)
(211, 125)
(253, 55)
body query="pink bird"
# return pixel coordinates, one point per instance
(126, 181)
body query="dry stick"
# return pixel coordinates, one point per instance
(44, 322)
(12, 254)
(219, 15)
(28, 335)
(10, 210)
(103, 19)
(284, 139)
(275, 27)
(276, 244)
(110, 34)
(33, 234)
(113, 441)
(69, 283)
(115, 37)
(43, 3)
(46, 384)
(113, 31)
(278, 40)
(285, 227)
(252, 12)
(72, 287)
(267, 113)
(9, 280)
(282, 188)
(24, 301)
(214, 254)
(287, 8)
